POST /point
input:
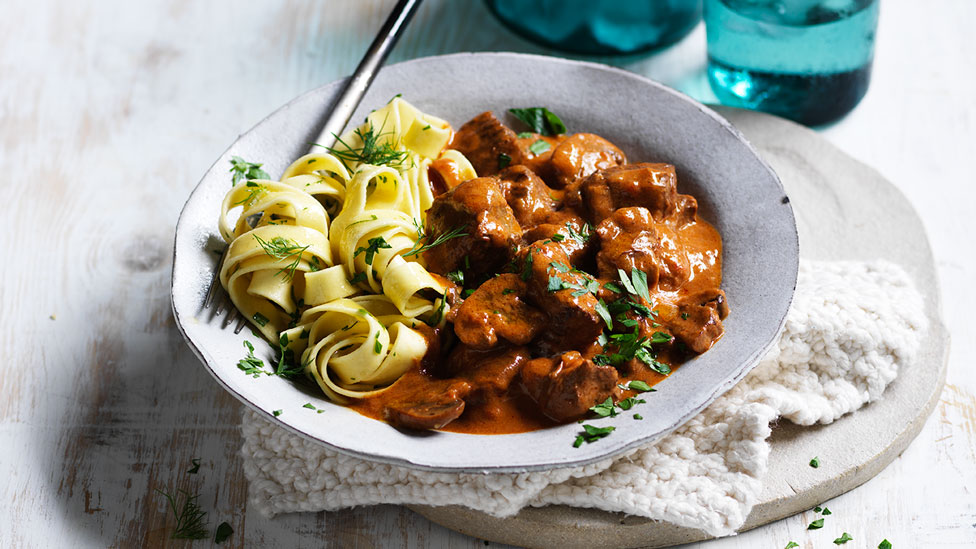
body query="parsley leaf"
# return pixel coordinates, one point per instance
(791, 545)
(374, 246)
(815, 462)
(196, 467)
(541, 120)
(601, 309)
(223, 532)
(638, 385)
(816, 525)
(826, 512)
(844, 538)
(885, 544)
(583, 235)
(539, 147)
(456, 277)
(242, 169)
(605, 408)
(503, 161)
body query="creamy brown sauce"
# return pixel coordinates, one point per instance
(520, 356)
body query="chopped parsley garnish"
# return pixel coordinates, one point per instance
(844, 538)
(507, 291)
(251, 365)
(826, 512)
(223, 532)
(456, 277)
(592, 434)
(422, 236)
(377, 346)
(276, 413)
(885, 544)
(557, 237)
(191, 522)
(374, 246)
(539, 147)
(583, 235)
(605, 408)
(660, 337)
(632, 345)
(791, 545)
(372, 152)
(630, 402)
(541, 120)
(253, 192)
(196, 467)
(638, 385)
(638, 417)
(467, 293)
(816, 525)
(357, 278)
(242, 169)
(525, 135)
(503, 161)
(815, 462)
(308, 405)
(601, 309)
(282, 248)
(438, 314)
(287, 367)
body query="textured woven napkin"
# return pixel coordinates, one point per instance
(851, 326)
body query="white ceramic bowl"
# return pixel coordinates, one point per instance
(737, 192)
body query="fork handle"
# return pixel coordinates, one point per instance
(360, 80)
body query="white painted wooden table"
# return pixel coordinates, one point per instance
(110, 111)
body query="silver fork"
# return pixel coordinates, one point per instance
(336, 121)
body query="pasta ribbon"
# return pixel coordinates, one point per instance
(316, 260)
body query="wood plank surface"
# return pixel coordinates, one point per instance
(110, 111)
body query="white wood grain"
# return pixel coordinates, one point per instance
(109, 113)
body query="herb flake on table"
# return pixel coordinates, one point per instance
(816, 525)
(815, 462)
(191, 521)
(242, 169)
(844, 538)
(196, 467)
(791, 545)
(885, 544)
(541, 120)
(223, 532)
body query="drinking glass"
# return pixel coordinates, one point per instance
(599, 27)
(807, 60)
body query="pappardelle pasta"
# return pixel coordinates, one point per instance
(324, 261)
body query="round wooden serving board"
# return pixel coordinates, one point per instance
(844, 210)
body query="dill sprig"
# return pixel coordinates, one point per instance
(282, 248)
(191, 522)
(422, 236)
(372, 152)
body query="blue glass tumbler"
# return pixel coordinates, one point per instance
(806, 60)
(599, 27)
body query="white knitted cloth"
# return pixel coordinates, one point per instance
(850, 328)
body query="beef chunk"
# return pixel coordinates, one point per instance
(483, 140)
(573, 322)
(432, 406)
(478, 208)
(575, 237)
(698, 322)
(526, 194)
(497, 309)
(567, 386)
(487, 371)
(631, 239)
(580, 155)
(651, 186)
